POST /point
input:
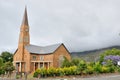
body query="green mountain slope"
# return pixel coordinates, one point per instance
(92, 55)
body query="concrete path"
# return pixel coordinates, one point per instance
(114, 77)
(108, 77)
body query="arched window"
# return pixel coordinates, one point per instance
(61, 59)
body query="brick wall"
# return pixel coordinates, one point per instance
(60, 51)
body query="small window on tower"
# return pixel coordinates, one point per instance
(26, 29)
(26, 39)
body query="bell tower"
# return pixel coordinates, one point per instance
(24, 38)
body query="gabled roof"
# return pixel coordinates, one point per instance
(42, 50)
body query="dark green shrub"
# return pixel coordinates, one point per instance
(66, 63)
(90, 69)
(60, 72)
(111, 66)
(118, 69)
(75, 62)
(112, 69)
(81, 67)
(73, 70)
(43, 72)
(105, 69)
(51, 72)
(2, 71)
(36, 73)
(67, 71)
(97, 67)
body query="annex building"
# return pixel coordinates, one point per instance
(28, 57)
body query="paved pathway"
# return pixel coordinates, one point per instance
(114, 77)
(109, 77)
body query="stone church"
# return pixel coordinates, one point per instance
(28, 57)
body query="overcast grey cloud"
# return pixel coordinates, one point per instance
(80, 24)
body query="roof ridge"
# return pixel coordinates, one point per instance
(53, 45)
(47, 45)
(35, 45)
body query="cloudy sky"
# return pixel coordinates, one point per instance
(80, 24)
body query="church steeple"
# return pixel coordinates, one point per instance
(25, 18)
(24, 38)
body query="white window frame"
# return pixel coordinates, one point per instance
(41, 58)
(34, 57)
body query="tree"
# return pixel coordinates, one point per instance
(1, 67)
(82, 66)
(75, 61)
(1, 62)
(112, 52)
(2, 71)
(66, 63)
(8, 67)
(7, 56)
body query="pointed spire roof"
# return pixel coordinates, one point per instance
(25, 18)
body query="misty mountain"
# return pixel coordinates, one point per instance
(91, 55)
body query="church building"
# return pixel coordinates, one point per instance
(28, 57)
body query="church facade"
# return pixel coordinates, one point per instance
(28, 58)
